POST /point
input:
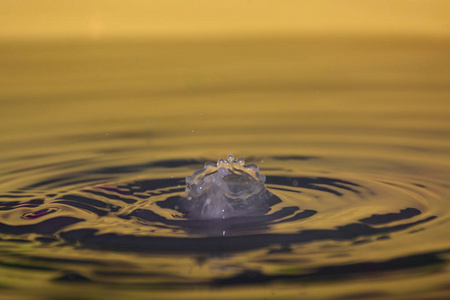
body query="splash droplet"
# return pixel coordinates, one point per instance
(227, 189)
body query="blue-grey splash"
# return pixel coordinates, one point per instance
(226, 189)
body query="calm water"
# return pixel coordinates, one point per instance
(352, 133)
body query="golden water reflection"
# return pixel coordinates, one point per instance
(365, 97)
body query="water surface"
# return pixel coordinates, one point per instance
(352, 134)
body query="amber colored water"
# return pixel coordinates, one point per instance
(351, 130)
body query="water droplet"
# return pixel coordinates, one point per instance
(209, 165)
(221, 161)
(224, 185)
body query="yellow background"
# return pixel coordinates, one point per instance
(179, 18)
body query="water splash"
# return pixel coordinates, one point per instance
(226, 189)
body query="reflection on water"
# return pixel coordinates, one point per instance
(352, 135)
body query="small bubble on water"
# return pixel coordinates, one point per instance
(171, 176)
(294, 182)
(193, 130)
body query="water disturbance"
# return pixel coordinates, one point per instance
(338, 187)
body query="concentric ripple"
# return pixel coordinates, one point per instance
(325, 219)
(351, 132)
(147, 214)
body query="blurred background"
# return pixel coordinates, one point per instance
(85, 61)
(44, 19)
